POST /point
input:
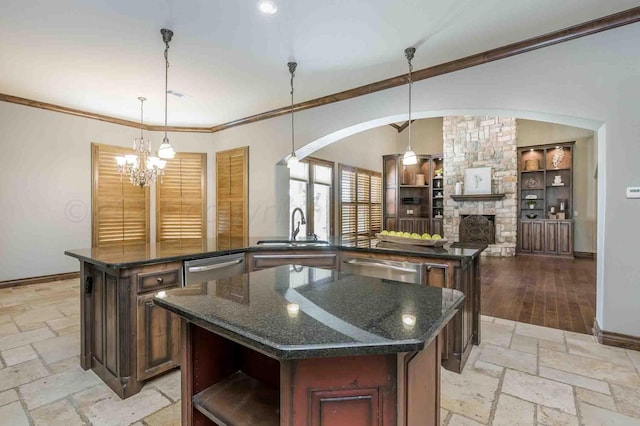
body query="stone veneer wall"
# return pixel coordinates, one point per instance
(482, 142)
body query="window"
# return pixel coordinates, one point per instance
(120, 210)
(312, 176)
(360, 206)
(232, 197)
(181, 198)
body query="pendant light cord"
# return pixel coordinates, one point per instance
(166, 85)
(141, 117)
(409, 52)
(292, 70)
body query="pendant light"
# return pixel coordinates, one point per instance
(293, 160)
(409, 157)
(141, 168)
(166, 150)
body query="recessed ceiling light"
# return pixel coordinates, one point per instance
(267, 6)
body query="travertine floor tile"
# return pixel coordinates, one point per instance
(13, 414)
(538, 332)
(596, 416)
(551, 417)
(570, 335)
(486, 318)
(56, 386)
(169, 384)
(627, 399)
(495, 334)
(8, 328)
(508, 323)
(29, 319)
(58, 348)
(444, 414)
(24, 338)
(8, 396)
(541, 391)
(594, 398)
(470, 394)
(168, 416)
(589, 367)
(524, 344)
(511, 411)
(509, 358)
(17, 375)
(12, 310)
(18, 355)
(65, 364)
(458, 420)
(487, 368)
(4, 319)
(598, 351)
(574, 379)
(635, 358)
(57, 413)
(104, 407)
(552, 345)
(64, 322)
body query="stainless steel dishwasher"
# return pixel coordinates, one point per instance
(213, 268)
(407, 272)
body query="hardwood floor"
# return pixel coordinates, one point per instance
(547, 291)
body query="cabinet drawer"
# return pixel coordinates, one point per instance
(152, 281)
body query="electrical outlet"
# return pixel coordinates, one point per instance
(575, 213)
(409, 211)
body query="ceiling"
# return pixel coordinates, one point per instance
(229, 60)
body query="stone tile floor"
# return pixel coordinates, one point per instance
(521, 374)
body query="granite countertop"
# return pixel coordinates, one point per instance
(339, 314)
(129, 255)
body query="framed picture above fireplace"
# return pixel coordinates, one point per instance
(477, 180)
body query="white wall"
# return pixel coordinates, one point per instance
(532, 132)
(588, 82)
(426, 137)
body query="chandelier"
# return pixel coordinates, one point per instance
(141, 168)
(293, 160)
(409, 157)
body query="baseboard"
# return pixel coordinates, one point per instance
(584, 255)
(615, 339)
(39, 280)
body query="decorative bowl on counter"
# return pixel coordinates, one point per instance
(411, 241)
(532, 215)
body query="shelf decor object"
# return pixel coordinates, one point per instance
(558, 156)
(477, 180)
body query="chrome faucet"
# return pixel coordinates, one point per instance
(295, 230)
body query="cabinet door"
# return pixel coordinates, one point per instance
(551, 237)
(565, 238)
(537, 237)
(437, 227)
(524, 237)
(421, 226)
(158, 338)
(405, 225)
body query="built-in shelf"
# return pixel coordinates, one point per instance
(414, 186)
(478, 197)
(239, 400)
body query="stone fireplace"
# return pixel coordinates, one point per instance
(482, 142)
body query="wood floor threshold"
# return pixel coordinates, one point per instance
(617, 340)
(39, 280)
(584, 255)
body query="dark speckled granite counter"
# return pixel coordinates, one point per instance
(130, 255)
(339, 314)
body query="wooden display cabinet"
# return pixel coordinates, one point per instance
(545, 183)
(408, 197)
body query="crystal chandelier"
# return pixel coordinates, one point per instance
(141, 168)
(409, 157)
(293, 160)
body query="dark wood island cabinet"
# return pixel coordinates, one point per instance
(126, 339)
(311, 347)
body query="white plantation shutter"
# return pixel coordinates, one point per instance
(360, 205)
(181, 198)
(120, 210)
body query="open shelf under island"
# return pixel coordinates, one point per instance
(311, 346)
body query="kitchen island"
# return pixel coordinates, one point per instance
(310, 346)
(126, 339)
